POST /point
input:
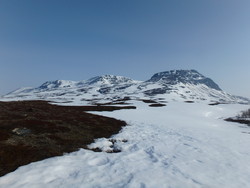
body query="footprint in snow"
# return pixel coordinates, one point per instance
(151, 153)
(98, 161)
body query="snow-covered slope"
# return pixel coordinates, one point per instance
(179, 145)
(174, 77)
(175, 85)
(109, 80)
(57, 84)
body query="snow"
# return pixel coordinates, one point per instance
(110, 80)
(110, 86)
(20, 90)
(179, 145)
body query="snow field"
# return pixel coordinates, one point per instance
(180, 145)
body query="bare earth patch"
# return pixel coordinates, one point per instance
(243, 118)
(242, 121)
(35, 130)
(156, 105)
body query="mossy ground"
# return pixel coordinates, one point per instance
(52, 131)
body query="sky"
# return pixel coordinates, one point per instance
(46, 40)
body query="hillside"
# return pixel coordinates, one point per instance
(175, 85)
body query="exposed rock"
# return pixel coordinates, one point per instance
(21, 131)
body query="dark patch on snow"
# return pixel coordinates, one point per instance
(35, 130)
(242, 121)
(148, 101)
(157, 91)
(104, 90)
(189, 101)
(157, 105)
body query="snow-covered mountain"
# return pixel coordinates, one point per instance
(174, 77)
(174, 85)
(57, 84)
(109, 80)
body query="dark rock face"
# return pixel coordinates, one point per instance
(105, 90)
(54, 84)
(183, 76)
(111, 79)
(157, 91)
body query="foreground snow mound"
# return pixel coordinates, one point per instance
(180, 145)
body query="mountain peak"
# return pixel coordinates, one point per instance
(57, 84)
(109, 80)
(183, 76)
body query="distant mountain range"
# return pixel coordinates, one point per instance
(174, 85)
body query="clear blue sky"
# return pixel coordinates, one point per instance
(44, 40)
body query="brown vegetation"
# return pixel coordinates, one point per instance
(148, 101)
(35, 130)
(242, 121)
(189, 101)
(105, 108)
(156, 105)
(243, 118)
(244, 114)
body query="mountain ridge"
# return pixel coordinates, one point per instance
(170, 85)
